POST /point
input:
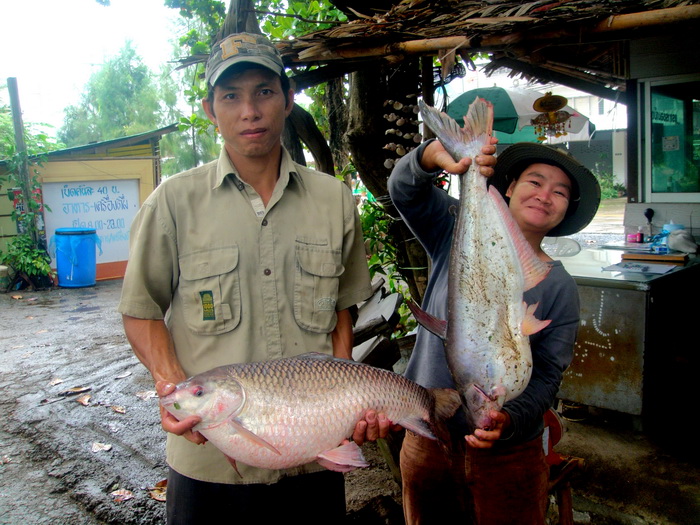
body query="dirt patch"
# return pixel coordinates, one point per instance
(55, 340)
(62, 339)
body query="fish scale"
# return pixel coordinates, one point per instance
(292, 411)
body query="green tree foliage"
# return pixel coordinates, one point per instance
(37, 140)
(197, 141)
(278, 19)
(120, 99)
(25, 254)
(282, 19)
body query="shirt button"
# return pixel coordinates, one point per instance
(267, 271)
(264, 222)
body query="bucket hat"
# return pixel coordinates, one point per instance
(242, 47)
(585, 196)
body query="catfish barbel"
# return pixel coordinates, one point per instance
(291, 411)
(491, 265)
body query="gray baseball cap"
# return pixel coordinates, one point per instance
(242, 47)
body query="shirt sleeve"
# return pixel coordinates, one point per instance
(354, 284)
(152, 271)
(423, 206)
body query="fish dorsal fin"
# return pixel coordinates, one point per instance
(238, 427)
(534, 269)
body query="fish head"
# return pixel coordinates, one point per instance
(213, 400)
(480, 404)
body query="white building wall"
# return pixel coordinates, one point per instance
(609, 115)
(604, 114)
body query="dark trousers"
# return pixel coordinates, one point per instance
(483, 487)
(312, 498)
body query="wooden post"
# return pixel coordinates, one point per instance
(21, 149)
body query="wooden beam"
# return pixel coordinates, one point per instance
(429, 45)
(670, 15)
(563, 79)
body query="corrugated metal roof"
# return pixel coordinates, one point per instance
(122, 146)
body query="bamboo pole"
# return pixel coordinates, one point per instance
(409, 47)
(670, 15)
(433, 45)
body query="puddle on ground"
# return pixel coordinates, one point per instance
(83, 309)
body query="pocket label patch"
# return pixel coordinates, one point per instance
(208, 313)
(325, 304)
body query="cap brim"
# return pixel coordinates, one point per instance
(514, 159)
(240, 60)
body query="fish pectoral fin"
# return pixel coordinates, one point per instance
(427, 321)
(234, 465)
(343, 458)
(532, 325)
(244, 432)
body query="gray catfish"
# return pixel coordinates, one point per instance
(491, 265)
(292, 411)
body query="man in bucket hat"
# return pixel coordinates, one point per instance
(214, 277)
(500, 476)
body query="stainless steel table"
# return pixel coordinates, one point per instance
(637, 350)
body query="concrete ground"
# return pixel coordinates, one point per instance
(63, 457)
(609, 217)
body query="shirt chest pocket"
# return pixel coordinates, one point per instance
(210, 290)
(317, 273)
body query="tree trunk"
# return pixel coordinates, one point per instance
(301, 126)
(381, 99)
(337, 111)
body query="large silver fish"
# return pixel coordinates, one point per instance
(491, 265)
(288, 412)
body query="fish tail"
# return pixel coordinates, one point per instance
(446, 402)
(479, 118)
(478, 124)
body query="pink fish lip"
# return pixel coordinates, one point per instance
(168, 401)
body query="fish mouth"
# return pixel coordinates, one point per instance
(168, 401)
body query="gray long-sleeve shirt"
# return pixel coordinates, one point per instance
(426, 211)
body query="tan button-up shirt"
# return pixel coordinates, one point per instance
(238, 282)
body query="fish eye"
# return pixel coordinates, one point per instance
(198, 391)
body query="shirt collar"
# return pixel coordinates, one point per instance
(225, 167)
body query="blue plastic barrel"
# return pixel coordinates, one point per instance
(75, 257)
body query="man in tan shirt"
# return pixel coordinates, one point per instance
(248, 258)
